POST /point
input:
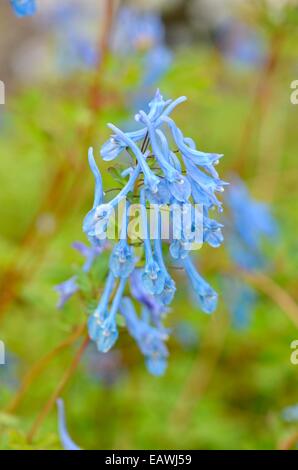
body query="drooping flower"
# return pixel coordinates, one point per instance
(172, 183)
(149, 339)
(68, 288)
(65, 438)
(23, 7)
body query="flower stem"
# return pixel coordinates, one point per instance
(39, 367)
(57, 392)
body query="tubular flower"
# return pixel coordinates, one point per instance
(65, 438)
(176, 183)
(23, 7)
(67, 288)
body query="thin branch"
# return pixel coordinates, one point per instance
(274, 291)
(57, 392)
(289, 442)
(39, 367)
(201, 373)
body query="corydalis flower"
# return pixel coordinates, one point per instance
(164, 176)
(149, 339)
(69, 287)
(23, 7)
(65, 438)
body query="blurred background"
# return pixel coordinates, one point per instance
(68, 70)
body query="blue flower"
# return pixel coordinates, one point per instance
(151, 180)
(23, 7)
(66, 290)
(150, 340)
(153, 303)
(153, 276)
(158, 108)
(65, 438)
(122, 260)
(102, 325)
(69, 287)
(206, 296)
(169, 287)
(96, 320)
(212, 231)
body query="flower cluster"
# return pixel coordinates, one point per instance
(23, 7)
(164, 179)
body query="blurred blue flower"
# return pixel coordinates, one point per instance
(66, 290)
(74, 30)
(240, 300)
(105, 368)
(142, 33)
(66, 440)
(156, 63)
(240, 44)
(248, 225)
(186, 335)
(9, 372)
(23, 7)
(136, 30)
(290, 414)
